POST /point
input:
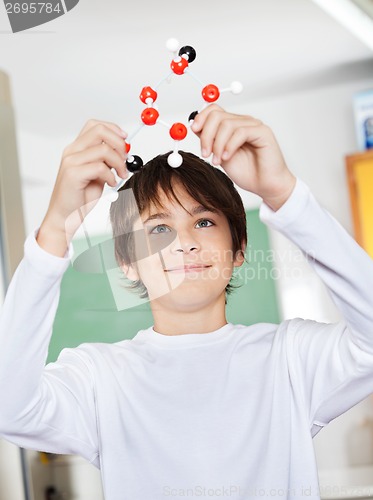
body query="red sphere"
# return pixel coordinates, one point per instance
(210, 93)
(127, 146)
(178, 131)
(149, 116)
(179, 65)
(146, 93)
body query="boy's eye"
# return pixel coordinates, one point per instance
(205, 223)
(162, 228)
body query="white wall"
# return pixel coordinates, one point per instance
(11, 485)
(315, 129)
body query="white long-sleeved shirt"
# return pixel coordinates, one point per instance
(227, 414)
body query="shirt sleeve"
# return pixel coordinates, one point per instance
(44, 408)
(330, 365)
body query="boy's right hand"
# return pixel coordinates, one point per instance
(85, 168)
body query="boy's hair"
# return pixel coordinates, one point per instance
(208, 185)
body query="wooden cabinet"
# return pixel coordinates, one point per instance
(360, 182)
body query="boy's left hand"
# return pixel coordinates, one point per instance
(248, 151)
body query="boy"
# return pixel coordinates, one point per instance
(193, 406)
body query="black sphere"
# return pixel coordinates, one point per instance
(134, 165)
(192, 115)
(189, 51)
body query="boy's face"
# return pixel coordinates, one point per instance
(190, 254)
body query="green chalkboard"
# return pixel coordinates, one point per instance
(88, 311)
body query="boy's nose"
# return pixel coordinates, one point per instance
(185, 244)
(186, 249)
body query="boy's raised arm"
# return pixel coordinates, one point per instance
(331, 365)
(40, 408)
(34, 413)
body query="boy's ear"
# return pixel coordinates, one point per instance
(240, 257)
(130, 271)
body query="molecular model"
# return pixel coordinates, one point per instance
(150, 115)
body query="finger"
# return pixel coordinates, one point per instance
(209, 131)
(222, 135)
(97, 172)
(251, 134)
(113, 126)
(212, 122)
(226, 129)
(202, 116)
(97, 135)
(102, 153)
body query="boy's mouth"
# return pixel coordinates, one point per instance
(188, 268)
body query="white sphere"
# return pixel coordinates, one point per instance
(175, 159)
(236, 87)
(172, 44)
(112, 195)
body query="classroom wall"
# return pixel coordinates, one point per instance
(315, 129)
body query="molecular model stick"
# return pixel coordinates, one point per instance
(150, 115)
